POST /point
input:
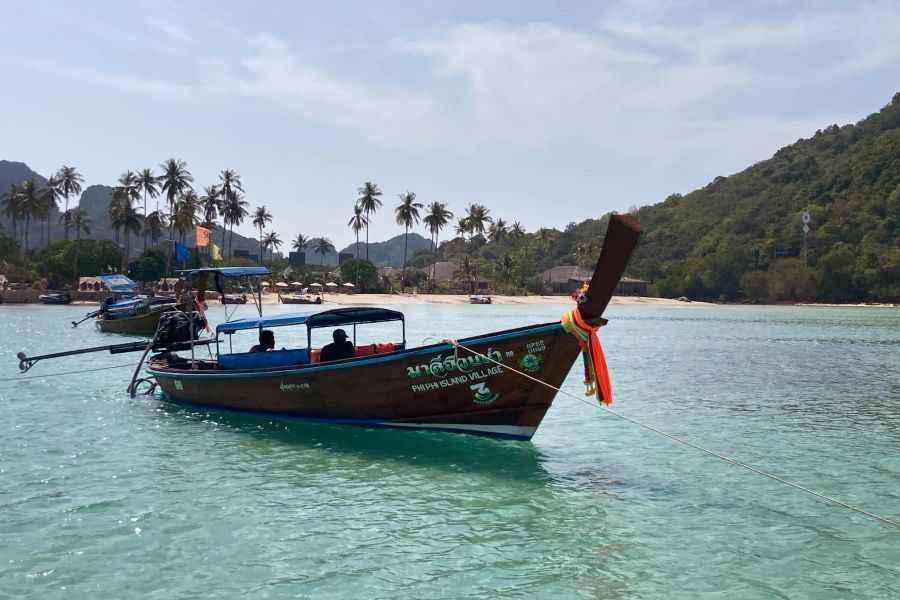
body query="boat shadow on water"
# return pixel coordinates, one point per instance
(448, 452)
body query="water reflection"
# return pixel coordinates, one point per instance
(448, 452)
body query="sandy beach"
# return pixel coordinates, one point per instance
(381, 299)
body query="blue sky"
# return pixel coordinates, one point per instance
(546, 112)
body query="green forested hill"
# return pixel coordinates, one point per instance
(740, 236)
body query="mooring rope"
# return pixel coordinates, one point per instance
(680, 440)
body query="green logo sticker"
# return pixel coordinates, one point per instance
(531, 363)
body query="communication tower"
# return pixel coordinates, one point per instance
(803, 247)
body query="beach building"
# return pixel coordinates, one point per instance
(446, 271)
(565, 279)
(632, 287)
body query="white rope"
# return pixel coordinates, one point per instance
(733, 461)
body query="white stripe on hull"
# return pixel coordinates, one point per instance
(511, 430)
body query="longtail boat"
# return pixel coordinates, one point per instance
(466, 386)
(136, 315)
(52, 297)
(297, 298)
(126, 312)
(498, 384)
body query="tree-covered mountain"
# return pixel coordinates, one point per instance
(95, 200)
(389, 253)
(742, 236)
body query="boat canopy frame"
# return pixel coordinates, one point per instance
(248, 272)
(317, 319)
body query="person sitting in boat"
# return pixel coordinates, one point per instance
(266, 341)
(339, 348)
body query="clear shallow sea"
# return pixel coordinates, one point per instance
(103, 496)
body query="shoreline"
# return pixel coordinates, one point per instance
(364, 299)
(445, 299)
(409, 299)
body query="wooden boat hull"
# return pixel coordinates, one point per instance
(140, 324)
(420, 388)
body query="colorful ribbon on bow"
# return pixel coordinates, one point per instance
(596, 374)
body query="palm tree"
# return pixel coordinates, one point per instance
(128, 183)
(11, 205)
(132, 222)
(272, 242)
(176, 180)
(260, 217)
(69, 183)
(45, 208)
(407, 214)
(29, 204)
(437, 218)
(209, 204)
(185, 216)
(545, 239)
(235, 213)
(300, 242)
(51, 195)
(497, 231)
(323, 247)
(462, 227)
(477, 216)
(116, 209)
(148, 183)
(517, 232)
(155, 225)
(369, 201)
(356, 223)
(230, 186)
(79, 221)
(584, 254)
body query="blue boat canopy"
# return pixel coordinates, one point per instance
(118, 283)
(231, 271)
(312, 319)
(130, 302)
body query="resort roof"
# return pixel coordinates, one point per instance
(324, 318)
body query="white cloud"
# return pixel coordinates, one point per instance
(380, 114)
(640, 84)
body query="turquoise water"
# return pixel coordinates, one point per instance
(103, 496)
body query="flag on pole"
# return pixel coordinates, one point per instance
(202, 235)
(182, 252)
(215, 252)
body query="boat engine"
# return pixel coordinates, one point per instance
(178, 328)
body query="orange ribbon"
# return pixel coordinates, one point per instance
(596, 373)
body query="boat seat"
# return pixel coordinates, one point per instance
(365, 350)
(264, 360)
